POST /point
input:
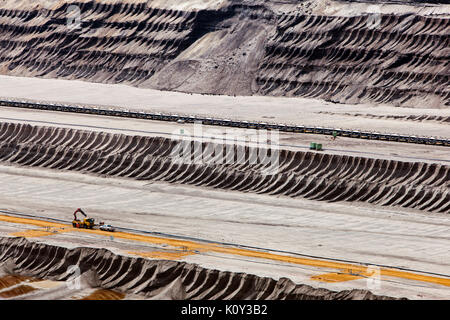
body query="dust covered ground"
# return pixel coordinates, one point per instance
(359, 220)
(400, 217)
(420, 120)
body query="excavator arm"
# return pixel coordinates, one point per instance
(78, 211)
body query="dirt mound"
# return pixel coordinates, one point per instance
(312, 175)
(230, 47)
(157, 278)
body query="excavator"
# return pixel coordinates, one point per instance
(86, 223)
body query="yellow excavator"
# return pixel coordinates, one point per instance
(86, 223)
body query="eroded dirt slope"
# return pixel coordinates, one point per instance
(232, 47)
(161, 279)
(312, 175)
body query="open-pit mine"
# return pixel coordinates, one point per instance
(224, 149)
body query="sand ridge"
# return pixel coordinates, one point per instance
(155, 279)
(317, 176)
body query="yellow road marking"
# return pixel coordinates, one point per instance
(35, 233)
(335, 277)
(196, 246)
(344, 275)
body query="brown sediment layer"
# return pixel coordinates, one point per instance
(234, 48)
(17, 291)
(312, 175)
(155, 278)
(11, 280)
(102, 294)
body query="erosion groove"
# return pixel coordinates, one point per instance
(231, 47)
(312, 175)
(418, 118)
(160, 279)
(386, 58)
(115, 43)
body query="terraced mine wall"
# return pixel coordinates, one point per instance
(356, 59)
(162, 279)
(312, 175)
(231, 47)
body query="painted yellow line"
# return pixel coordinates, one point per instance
(336, 277)
(36, 233)
(211, 247)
